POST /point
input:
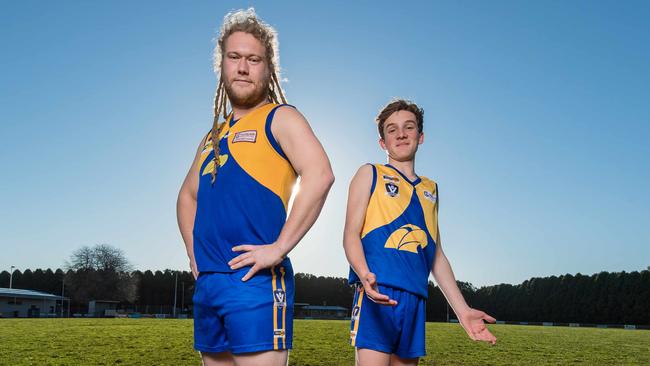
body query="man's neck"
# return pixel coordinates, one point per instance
(239, 112)
(406, 167)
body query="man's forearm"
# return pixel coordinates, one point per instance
(185, 214)
(306, 207)
(444, 276)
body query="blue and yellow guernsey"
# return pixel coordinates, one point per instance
(400, 230)
(248, 202)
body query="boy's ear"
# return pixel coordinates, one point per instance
(382, 143)
(421, 139)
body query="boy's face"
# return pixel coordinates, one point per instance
(401, 136)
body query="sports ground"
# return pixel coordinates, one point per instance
(316, 342)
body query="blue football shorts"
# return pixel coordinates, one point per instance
(391, 329)
(240, 317)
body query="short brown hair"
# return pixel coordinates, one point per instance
(396, 106)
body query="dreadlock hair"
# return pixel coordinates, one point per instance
(243, 21)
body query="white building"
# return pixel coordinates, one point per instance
(18, 303)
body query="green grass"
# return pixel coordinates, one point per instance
(169, 342)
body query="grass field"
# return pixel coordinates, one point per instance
(169, 342)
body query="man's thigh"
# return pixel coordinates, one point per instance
(369, 357)
(258, 313)
(271, 358)
(217, 359)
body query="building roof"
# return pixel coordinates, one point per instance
(317, 307)
(28, 294)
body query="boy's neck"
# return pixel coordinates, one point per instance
(406, 167)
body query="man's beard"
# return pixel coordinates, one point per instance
(248, 99)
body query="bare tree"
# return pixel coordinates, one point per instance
(101, 272)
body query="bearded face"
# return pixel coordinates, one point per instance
(245, 70)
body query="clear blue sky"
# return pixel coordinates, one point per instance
(536, 124)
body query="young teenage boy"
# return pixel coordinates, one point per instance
(392, 242)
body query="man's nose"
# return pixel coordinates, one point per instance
(242, 66)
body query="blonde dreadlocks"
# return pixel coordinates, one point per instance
(243, 21)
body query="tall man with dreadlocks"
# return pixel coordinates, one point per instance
(232, 206)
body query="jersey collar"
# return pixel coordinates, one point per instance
(412, 182)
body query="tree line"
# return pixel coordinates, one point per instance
(602, 298)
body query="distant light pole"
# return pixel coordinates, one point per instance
(182, 296)
(62, 291)
(11, 277)
(175, 291)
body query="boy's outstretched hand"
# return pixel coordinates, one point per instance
(372, 291)
(473, 323)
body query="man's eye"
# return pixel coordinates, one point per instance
(233, 57)
(254, 60)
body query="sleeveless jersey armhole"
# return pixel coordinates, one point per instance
(374, 179)
(269, 134)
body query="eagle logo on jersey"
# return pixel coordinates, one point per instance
(408, 238)
(209, 168)
(392, 189)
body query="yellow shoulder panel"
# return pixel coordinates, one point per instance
(382, 207)
(255, 154)
(428, 196)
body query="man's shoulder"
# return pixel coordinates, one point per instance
(286, 111)
(428, 181)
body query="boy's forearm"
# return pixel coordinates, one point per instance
(355, 255)
(445, 279)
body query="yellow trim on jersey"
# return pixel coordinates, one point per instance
(284, 310)
(275, 317)
(356, 323)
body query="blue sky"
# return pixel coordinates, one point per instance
(536, 124)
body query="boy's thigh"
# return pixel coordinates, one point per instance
(389, 329)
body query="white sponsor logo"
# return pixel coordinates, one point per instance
(245, 136)
(430, 196)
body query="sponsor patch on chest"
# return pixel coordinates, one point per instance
(430, 196)
(245, 136)
(391, 178)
